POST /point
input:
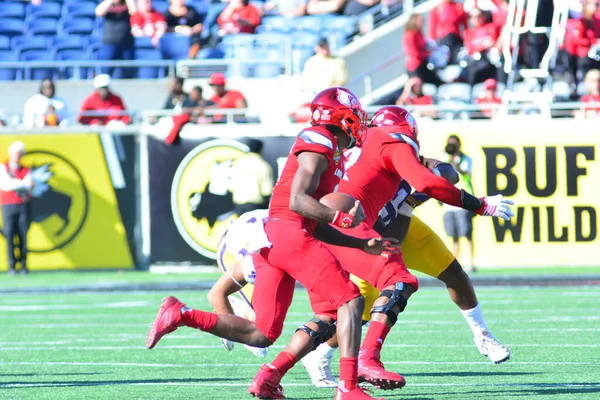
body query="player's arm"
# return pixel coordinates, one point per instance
(397, 229)
(328, 234)
(311, 166)
(231, 282)
(443, 169)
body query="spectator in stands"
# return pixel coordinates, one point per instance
(285, 8)
(413, 95)
(102, 106)
(592, 85)
(148, 22)
(318, 7)
(224, 98)
(416, 51)
(480, 42)
(356, 7)
(117, 41)
(584, 36)
(16, 186)
(447, 22)
(323, 70)
(196, 95)
(238, 17)
(488, 98)
(45, 108)
(185, 20)
(178, 99)
(538, 42)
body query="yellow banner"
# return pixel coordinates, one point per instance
(551, 169)
(75, 219)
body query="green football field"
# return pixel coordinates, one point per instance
(91, 346)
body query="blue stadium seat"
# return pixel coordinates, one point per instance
(208, 53)
(299, 56)
(22, 43)
(42, 26)
(276, 23)
(305, 39)
(73, 55)
(93, 40)
(4, 43)
(160, 6)
(36, 73)
(149, 72)
(341, 22)
(210, 21)
(81, 26)
(73, 42)
(8, 74)
(201, 6)
(267, 70)
(335, 37)
(271, 39)
(11, 27)
(238, 46)
(143, 43)
(174, 47)
(45, 9)
(85, 9)
(309, 23)
(12, 10)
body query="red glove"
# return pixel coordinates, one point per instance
(342, 219)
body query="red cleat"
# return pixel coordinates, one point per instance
(167, 320)
(354, 394)
(266, 384)
(371, 370)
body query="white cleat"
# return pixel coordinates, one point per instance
(319, 370)
(491, 348)
(257, 351)
(227, 344)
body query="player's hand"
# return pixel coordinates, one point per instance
(496, 206)
(357, 213)
(377, 246)
(227, 344)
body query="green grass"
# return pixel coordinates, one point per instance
(91, 346)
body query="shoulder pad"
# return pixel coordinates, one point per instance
(405, 138)
(312, 137)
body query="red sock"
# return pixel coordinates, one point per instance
(198, 319)
(348, 372)
(284, 362)
(376, 335)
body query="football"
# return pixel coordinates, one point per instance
(339, 201)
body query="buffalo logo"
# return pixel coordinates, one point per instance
(59, 204)
(336, 156)
(201, 201)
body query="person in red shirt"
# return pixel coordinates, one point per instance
(592, 84)
(584, 34)
(107, 105)
(224, 98)
(313, 169)
(148, 22)
(238, 17)
(412, 94)
(446, 25)
(480, 40)
(415, 49)
(488, 98)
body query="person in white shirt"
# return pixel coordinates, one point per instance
(45, 108)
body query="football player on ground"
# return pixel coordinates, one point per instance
(313, 169)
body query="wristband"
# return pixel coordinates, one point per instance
(342, 219)
(470, 202)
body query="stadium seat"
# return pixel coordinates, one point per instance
(85, 9)
(208, 53)
(276, 23)
(72, 55)
(449, 108)
(271, 39)
(24, 43)
(160, 6)
(8, 74)
(143, 42)
(71, 42)
(430, 90)
(450, 73)
(343, 23)
(11, 27)
(335, 37)
(45, 9)
(305, 39)
(42, 26)
(12, 10)
(81, 26)
(455, 91)
(201, 6)
(4, 43)
(93, 40)
(267, 69)
(561, 90)
(581, 89)
(478, 89)
(149, 72)
(37, 73)
(237, 46)
(174, 47)
(526, 87)
(210, 21)
(309, 23)
(299, 57)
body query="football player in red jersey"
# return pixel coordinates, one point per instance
(390, 153)
(313, 169)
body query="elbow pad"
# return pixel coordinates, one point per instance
(470, 202)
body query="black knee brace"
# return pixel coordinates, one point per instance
(396, 298)
(325, 332)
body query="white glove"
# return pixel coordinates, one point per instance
(496, 206)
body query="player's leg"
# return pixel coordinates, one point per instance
(464, 219)
(425, 251)
(451, 228)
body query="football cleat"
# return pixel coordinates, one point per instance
(167, 320)
(354, 394)
(490, 347)
(319, 370)
(227, 344)
(259, 352)
(266, 384)
(371, 370)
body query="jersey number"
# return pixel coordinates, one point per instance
(352, 157)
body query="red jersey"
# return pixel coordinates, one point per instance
(590, 98)
(11, 196)
(424, 100)
(415, 49)
(95, 103)
(445, 19)
(229, 99)
(478, 39)
(581, 35)
(315, 139)
(488, 112)
(148, 23)
(376, 170)
(248, 13)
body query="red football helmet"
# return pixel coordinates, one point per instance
(395, 116)
(340, 107)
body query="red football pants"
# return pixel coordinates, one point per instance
(379, 271)
(295, 255)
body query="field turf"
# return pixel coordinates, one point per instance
(90, 345)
